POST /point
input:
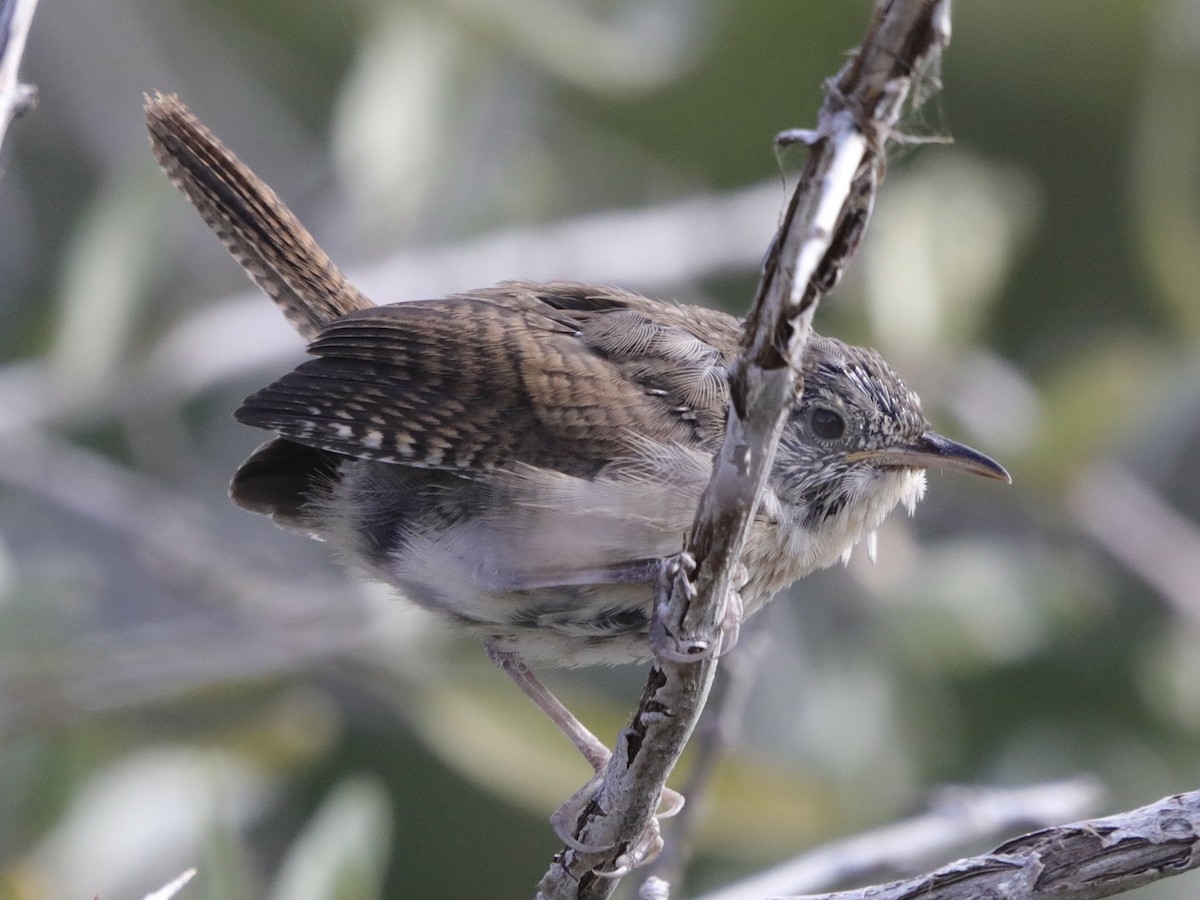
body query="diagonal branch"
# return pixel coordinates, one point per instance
(820, 232)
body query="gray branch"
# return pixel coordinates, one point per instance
(957, 818)
(1081, 861)
(819, 234)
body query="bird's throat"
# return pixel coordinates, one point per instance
(815, 535)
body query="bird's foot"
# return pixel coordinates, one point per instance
(665, 629)
(566, 819)
(645, 848)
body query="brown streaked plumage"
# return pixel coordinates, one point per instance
(551, 375)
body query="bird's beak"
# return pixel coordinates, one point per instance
(932, 451)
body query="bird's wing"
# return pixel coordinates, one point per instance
(561, 377)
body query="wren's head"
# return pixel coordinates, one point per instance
(855, 445)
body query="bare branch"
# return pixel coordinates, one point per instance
(820, 232)
(1081, 861)
(957, 817)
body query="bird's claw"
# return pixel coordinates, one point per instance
(735, 610)
(645, 848)
(664, 638)
(565, 819)
(670, 803)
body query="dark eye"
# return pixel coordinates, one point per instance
(826, 423)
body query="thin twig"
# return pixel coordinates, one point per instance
(820, 232)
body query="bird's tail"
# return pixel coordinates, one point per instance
(256, 227)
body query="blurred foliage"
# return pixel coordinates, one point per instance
(181, 684)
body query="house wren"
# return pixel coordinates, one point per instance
(521, 458)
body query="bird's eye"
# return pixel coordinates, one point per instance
(826, 423)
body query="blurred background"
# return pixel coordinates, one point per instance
(183, 684)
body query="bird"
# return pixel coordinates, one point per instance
(523, 459)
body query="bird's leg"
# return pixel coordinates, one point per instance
(665, 628)
(649, 843)
(585, 742)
